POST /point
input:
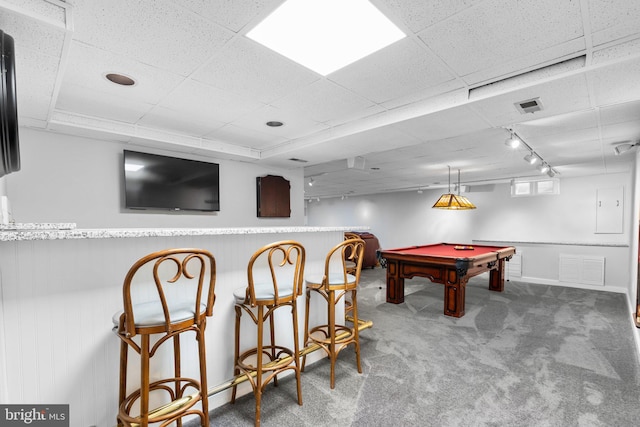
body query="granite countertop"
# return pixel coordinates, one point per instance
(51, 231)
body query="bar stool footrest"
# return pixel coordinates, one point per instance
(320, 335)
(283, 358)
(177, 408)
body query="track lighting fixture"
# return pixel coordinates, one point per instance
(311, 181)
(532, 158)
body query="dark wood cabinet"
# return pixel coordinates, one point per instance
(273, 194)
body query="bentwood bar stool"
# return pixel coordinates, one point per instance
(351, 263)
(274, 281)
(338, 280)
(166, 294)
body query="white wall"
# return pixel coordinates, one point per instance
(72, 179)
(407, 218)
(555, 224)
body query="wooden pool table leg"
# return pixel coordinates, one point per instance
(395, 283)
(454, 294)
(496, 277)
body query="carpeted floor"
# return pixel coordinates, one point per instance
(533, 355)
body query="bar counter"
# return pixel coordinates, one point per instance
(60, 286)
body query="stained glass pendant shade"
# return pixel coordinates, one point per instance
(452, 201)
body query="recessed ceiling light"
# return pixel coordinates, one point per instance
(274, 124)
(120, 79)
(326, 35)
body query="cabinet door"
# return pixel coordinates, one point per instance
(609, 210)
(273, 197)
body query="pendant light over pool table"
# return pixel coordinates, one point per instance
(452, 201)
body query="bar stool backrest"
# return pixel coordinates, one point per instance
(169, 290)
(275, 273)
(339, 270)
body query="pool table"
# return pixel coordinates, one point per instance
(451, 264)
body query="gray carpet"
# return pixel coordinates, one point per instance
(533, 355)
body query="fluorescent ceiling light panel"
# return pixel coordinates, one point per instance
(326, 35)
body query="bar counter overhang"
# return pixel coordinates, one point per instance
(60, 286)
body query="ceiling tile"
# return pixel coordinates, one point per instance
(246, 137)
(89, 65)
(77, 99)
(186, 38)
(204, 102)
(545, 127)
(443, 124)
(245, 67)
(613, 19)
(232, 14)
(420, 14)
(296, 125)
(393, 72)
(180, 121)
(612, 84)
(620, 113)
(35, 73)
(30, 34)
(449, 89)
(620, 132)
(41, 10)
(324, 101)
(497, 31)
(620, 51)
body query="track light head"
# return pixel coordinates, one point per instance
(513, 141)
(531, 158)
(623, 148)
(543, 168)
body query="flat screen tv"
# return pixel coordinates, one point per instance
(9, 146)
(159, 182)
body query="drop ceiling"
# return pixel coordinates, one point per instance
(396, 120)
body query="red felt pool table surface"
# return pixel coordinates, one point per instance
(451, 264)
(453, 250)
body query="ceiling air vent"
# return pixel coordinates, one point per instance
(526, 78)
(293, 159)
(529, 106)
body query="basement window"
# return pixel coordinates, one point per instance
(534, 187)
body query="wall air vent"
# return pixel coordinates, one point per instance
(529, 106)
